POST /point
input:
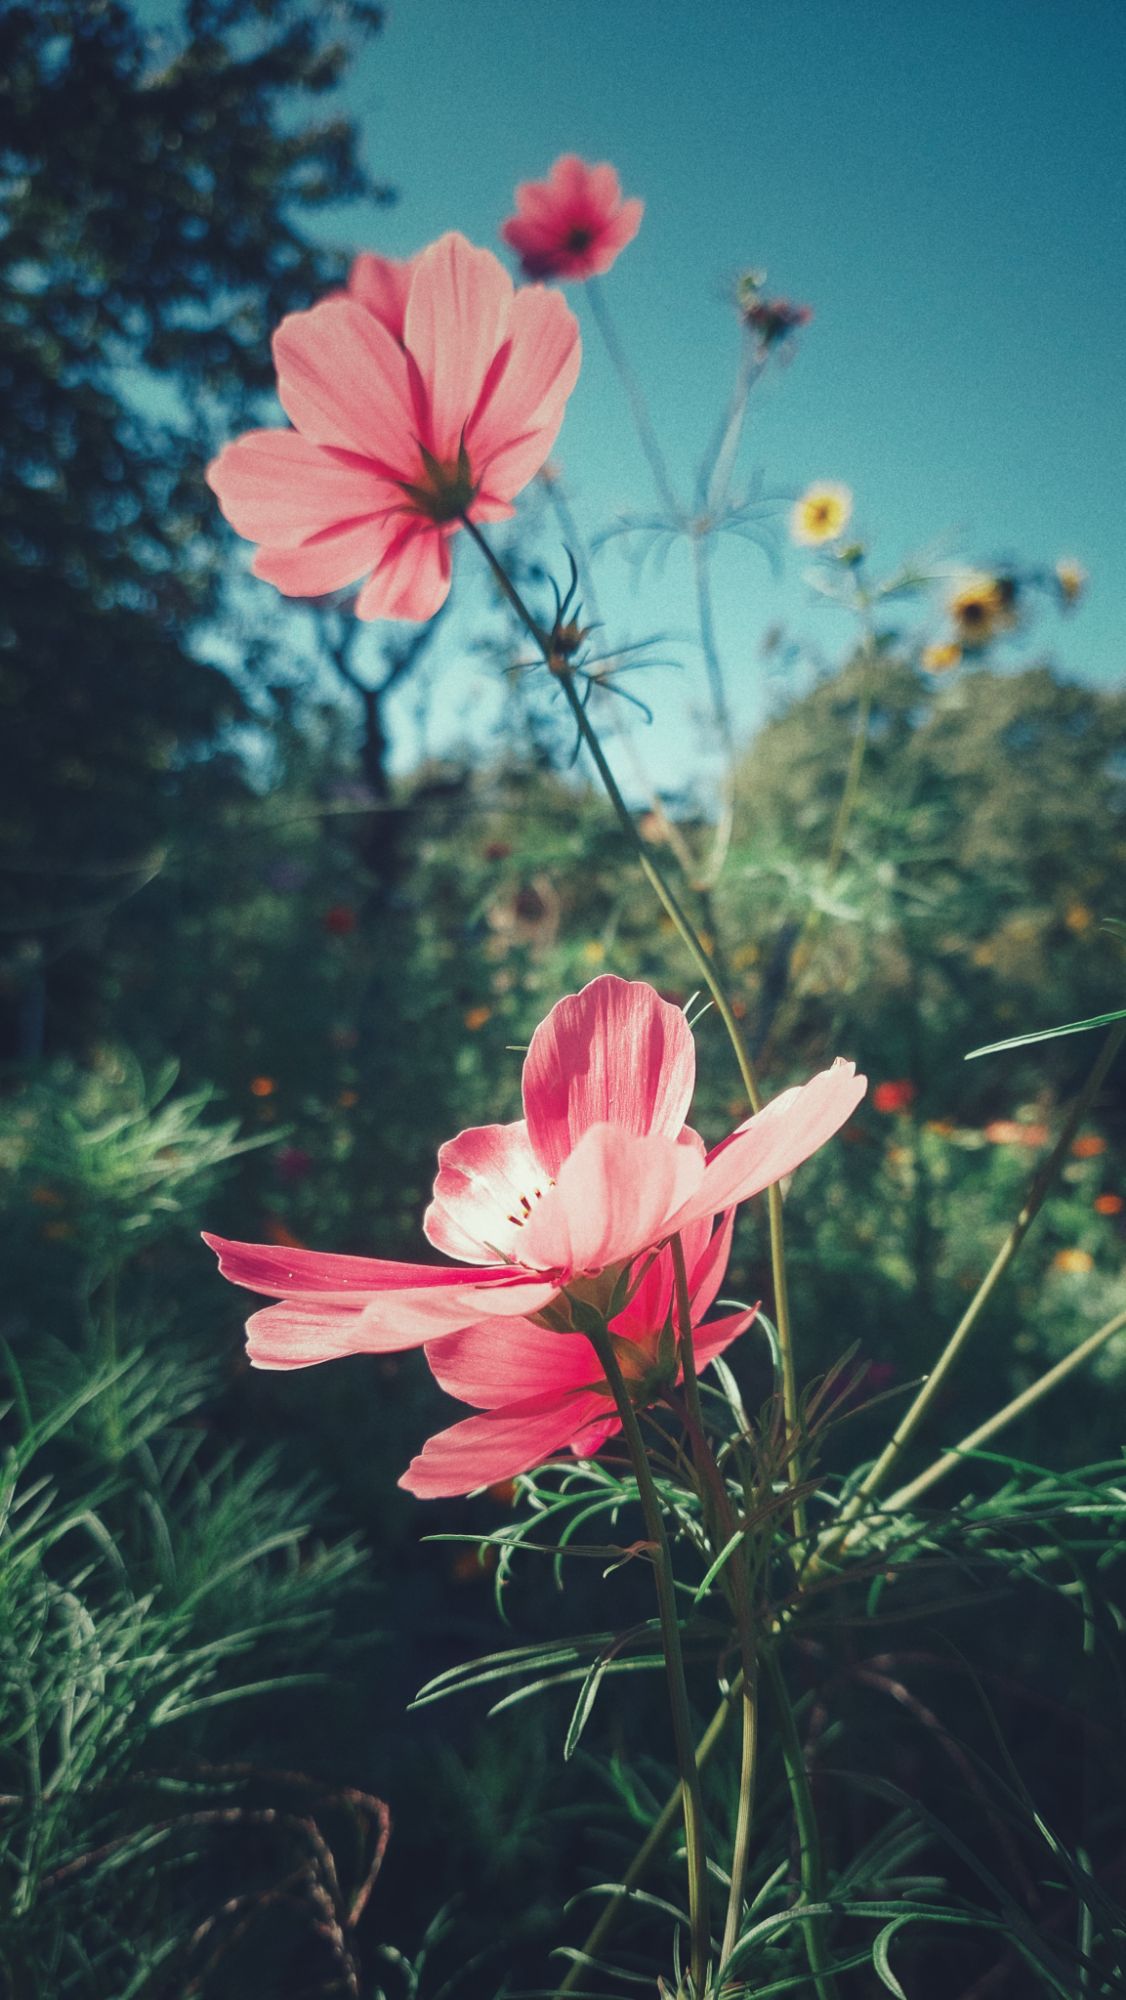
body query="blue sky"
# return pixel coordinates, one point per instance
(945, 185)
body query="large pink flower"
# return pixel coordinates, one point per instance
(600, 1169)
(431, 389)
(542, 1392)
(573, 224)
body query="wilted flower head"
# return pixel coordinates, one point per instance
(822, 513)
(772, 321)
(574, 224)
(430, 391)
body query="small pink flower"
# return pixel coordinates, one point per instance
(573, 224)
(430, 390)
(601, 1169)
(543, 1392)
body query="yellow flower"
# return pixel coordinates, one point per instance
(594, 951)
(940, 659)
(1074, 1263)
(476, 1017)
(980, 608)
(1078, 917)
(1071, 580)
(822, 513)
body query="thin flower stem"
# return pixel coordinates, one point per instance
(558, 501)
(662, 1825)
(855, 763)
(670, 902)
(690, 1790)
(904, 1496)
(719, 464)
(736, 1581)
(839, 1534)
(650, 443)
(805, 1819)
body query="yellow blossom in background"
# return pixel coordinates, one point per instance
(594, 951)
(940, 658)
(1109, 1204)
(476, 1018)
(1078, 917)
(822, 513)
(1074, 1263)
(1071, 580)
(980, 608)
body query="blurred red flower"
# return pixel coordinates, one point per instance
(573, 224)
(894, 1096)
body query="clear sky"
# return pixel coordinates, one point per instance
(944, 181)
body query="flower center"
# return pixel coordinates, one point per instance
(580, 238)
(445, 489)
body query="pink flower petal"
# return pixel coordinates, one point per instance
(381, 285)
(705, 1260)
(299, 1333)
(394, 1320)
(592, 1439)
(770, 1145)
(513, 430)
(285, 1273)
(711, 1340)
(500, 1361)
(488, 1179)
(276, 487)
(498, 1445)
(616, 1053)
(343, 381)
(331, 561)
(456, 319)
(611, 1199)
(413, 578)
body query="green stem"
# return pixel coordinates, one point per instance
(855, 766)
(719, 464)
(876, 1477)
(905, 1495)
(650, 1846)
(682, 922)
(805, 1819)
(691, 1794)
(650, 444)
(736, 1581)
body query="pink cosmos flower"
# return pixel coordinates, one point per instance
(542, 1392)
(601, 1169)
(573, 224)
(432, 388)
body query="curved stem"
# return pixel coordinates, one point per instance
(683, 924)
(691, 1795)
(905, 1495)
(650, 443)
(558, 501)
(839, 1535)
(805, 1819)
